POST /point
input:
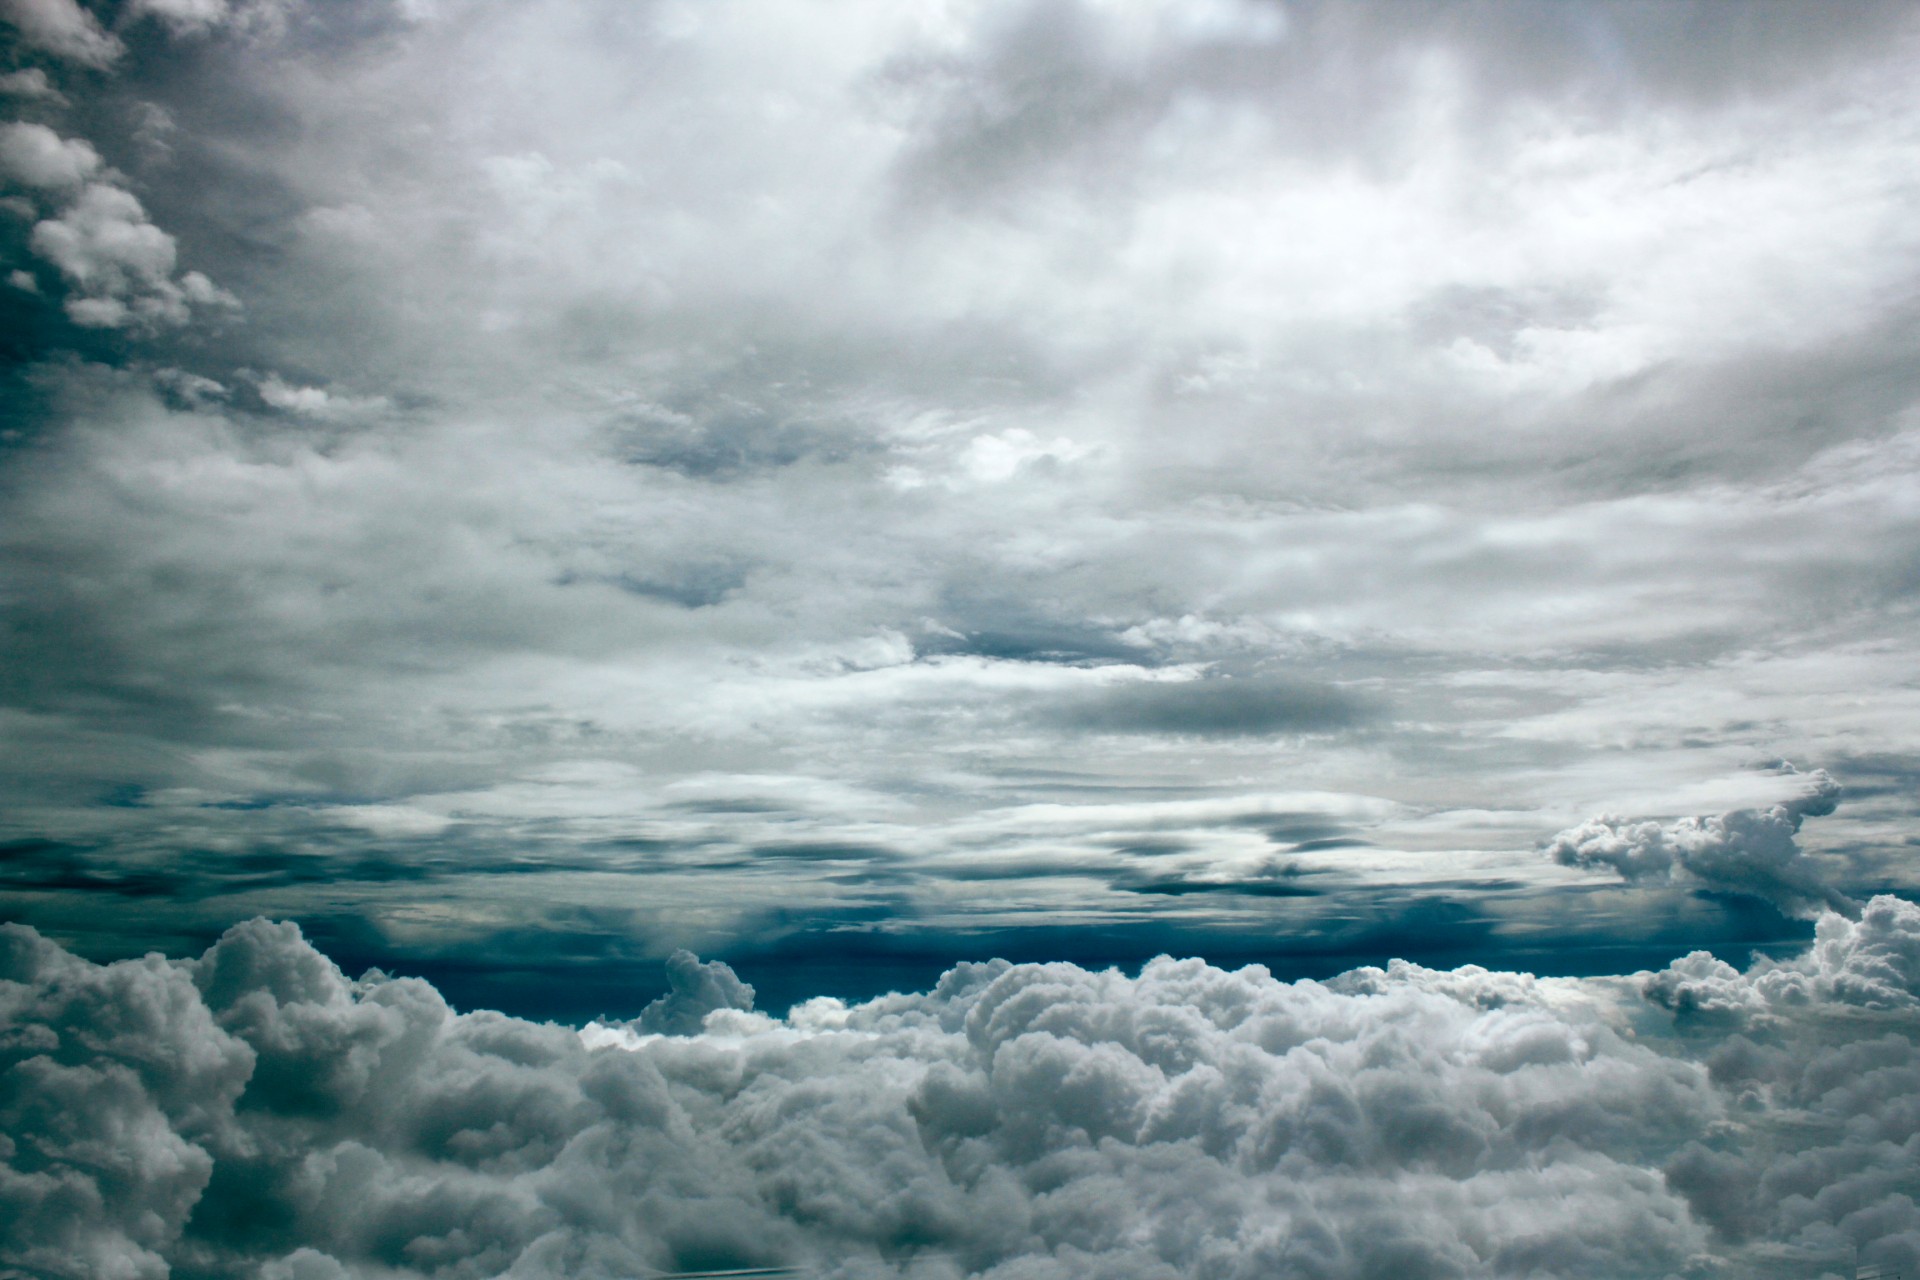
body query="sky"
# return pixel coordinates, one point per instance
(849, 487)
(524, 489)
(752, 563)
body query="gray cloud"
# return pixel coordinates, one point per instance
(62, 28)
(1213, 707)
(1747, 851)
(35, 156)
(697, 990)
(255, 1112)
(660, 446)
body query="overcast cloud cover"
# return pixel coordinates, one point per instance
(538, 493)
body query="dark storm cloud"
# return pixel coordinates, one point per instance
(270, 1117)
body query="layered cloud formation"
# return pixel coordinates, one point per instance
(524, 489)
(255, 1113)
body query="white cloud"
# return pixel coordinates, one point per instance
(35, 156)
(120, 265)
(1016, 1121)
(30, 83)
(1745, 851)
(62, 28)
(316, 402)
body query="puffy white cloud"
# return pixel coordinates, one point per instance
(697, 989)
(315, 402)
(62, 28)
(256, 1112)
(112, 1080)
(35, 156)
(119, 264)
(1745, 851)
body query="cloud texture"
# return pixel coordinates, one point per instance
(1748, 851)
(255, 1113)
(526, 489)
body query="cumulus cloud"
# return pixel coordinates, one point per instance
(253, 1111)
(1745, 851)
(119, 264)
(697, 989)
(63, 29)
(35, 156)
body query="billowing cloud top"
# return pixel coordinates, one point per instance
(255, 1113)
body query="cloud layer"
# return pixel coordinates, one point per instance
(580, 479)
(253, 1112)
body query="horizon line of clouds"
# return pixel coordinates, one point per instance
(1336, 875)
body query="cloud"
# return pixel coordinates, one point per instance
(29, 83)
(111, 1076)
(119, 264)
(62, 28)
(901, 403)
(316, 402)
(35, 156)
(187, 16)
(1746, 851)
(1212, 707)
(254, 1111)
(698, 989)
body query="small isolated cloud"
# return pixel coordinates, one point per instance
(315, 402)
(1746, 851)
(63, 29)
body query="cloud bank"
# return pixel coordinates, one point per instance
(253, 1112)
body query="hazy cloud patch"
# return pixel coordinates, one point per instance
(1213, 707)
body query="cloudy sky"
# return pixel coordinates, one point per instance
(750, 564)
(850, 487)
